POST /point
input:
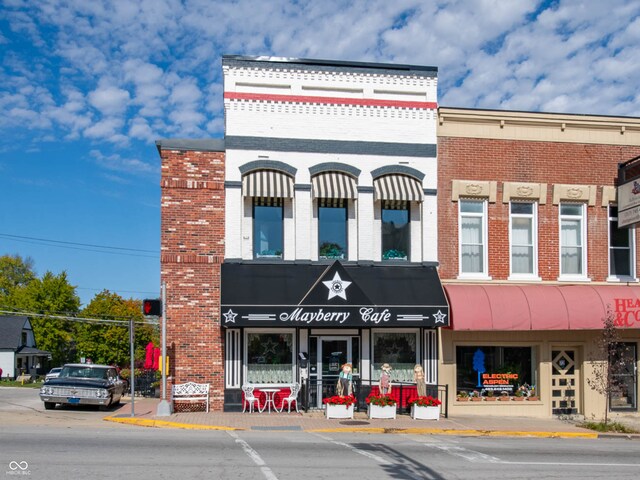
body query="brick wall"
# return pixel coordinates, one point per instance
(534, 162)
(192, 249)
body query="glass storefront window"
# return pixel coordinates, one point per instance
(270, 357)
(395, 232)
(497, 369)
(332, 231)
(268, 230)
(398, 350)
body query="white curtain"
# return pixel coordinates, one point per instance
(571, 241)
(278, 373)
(471, 245)
(522, 245)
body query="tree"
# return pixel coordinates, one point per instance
(15, 273)
(109, 343)
(610, 359)
(52, 294)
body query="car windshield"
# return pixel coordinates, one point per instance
(83, 372)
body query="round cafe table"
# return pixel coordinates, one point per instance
(270, 394)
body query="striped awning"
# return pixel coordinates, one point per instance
(397, 188)
(267, 184)
(334, 185)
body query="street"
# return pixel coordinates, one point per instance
(69, 444)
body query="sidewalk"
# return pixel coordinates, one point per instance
(145, 415)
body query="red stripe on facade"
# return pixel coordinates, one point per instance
(364, 102)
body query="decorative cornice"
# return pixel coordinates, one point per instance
(574, 193)
(474, 189)
(524, 191)
(398, 170)
(334, 167)
(609, 195)
(268, 165)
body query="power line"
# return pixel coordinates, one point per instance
(104, 321)
(87, 247)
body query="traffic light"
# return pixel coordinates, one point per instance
(152, 307)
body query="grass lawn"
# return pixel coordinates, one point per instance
(12, 383)
(613, 427)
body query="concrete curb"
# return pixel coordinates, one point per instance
(152, 423)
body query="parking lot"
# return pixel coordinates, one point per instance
(22, 406)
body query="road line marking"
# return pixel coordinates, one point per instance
(568, 464)
(370, 455)
(255, 456)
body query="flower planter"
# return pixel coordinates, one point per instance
(463, 399)
(425, 413)
(476, 399)
(518, 399)
(533, 399)
(504, 399)
(491, 399)
(339, 411)
(376, 411)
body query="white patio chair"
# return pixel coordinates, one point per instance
(293, 397)
(249, 398)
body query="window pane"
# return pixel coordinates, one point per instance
(399, 351)
(521, 231)
(472, 259)
(267, 231)
(522, 261)
(494, 368)
(395, 234)
(467, 206)
(570, 209)
(522, 208)
(571, 233)
(269, 357)
(332, 231)
(471, 230)
(571, 260)
(619, 237)
(620, 262)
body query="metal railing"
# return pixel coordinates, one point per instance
(314, 390)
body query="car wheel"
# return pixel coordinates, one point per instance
(106, 407)
(49, 405)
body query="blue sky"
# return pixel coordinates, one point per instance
(86, 87)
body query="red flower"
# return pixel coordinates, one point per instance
(381, 400)
(338, 400)
(427, 401)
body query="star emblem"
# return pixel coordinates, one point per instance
(230, 316)
(269, 347)
(439, 316)
(337, 287)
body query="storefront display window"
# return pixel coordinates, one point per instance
(497, 369)
(398, 350)
(395, 231)
(270, 357)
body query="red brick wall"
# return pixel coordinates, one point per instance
(192, 249)
(526, 161)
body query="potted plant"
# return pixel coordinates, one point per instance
(425, 408)
(463, 396)
(475, 396)
(339, 406)
(504, 396)
(518, 396)
(381, 406)
(490, 396)
(533, 396)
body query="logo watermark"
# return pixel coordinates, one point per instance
(18, 468)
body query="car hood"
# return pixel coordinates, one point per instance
(78, 382)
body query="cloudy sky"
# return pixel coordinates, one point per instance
(86, 87)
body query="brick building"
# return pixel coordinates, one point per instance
(309, 238)
(535, 256)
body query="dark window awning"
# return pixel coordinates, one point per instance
(334, 185)
(267, 184)
(542, 307)
(332, 296)
(397, 188)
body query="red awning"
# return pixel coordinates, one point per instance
(541, 307)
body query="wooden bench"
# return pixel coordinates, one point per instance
(191, 392)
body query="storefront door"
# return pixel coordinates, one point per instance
(624, 398)
(332, 353)
(564, 381)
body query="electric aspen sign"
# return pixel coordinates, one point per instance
(499, 381)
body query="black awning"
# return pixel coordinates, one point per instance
(286, 295)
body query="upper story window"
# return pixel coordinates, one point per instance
(332, 229)
(268, 228)
(621, 248)
(396, 233)
(473, 237)
(333, 191)
(523, 239)
(573, 240)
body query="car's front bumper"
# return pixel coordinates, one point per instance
(75, 400)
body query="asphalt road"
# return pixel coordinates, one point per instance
(71, 444)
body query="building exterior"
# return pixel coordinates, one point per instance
(19, 354)
(315, 230)
(534, 257)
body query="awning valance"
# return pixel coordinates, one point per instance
(267, 184)
(332, 296)
(397, 188)
(542, 307)
(334, 185)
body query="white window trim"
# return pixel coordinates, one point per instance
(484, 275)
(275, 331)
(583, 277)
(632, 259)
(534, 276)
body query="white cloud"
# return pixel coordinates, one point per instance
(117, 163)
(109, 100)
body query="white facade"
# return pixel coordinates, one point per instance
(7, 364)
(305, 115)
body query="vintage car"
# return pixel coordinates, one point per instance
(83, 384)
(53, 373)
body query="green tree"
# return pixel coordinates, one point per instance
(15, 273)
(109, 343)
(54, 295)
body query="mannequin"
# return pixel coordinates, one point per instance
(345, 385)
(418, 377)
(385, 379)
